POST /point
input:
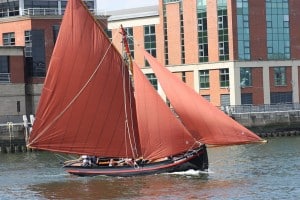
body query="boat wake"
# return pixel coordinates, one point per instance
(192, 172)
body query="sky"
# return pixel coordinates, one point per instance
(109, 5)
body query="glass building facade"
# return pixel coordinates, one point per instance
(243, 30)
(202, 31)
(278, 29)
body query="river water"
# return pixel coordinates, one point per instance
(268, 171)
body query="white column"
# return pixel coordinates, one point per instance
(59, 7)
(97, 8)
(234, 85)
(21, 7)
(266, 84)
(295, 83)
(196, 80)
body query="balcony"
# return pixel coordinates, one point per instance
(38, 12)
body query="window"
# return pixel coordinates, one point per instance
(243, 29)
(246, 77)
(182, 34)
(28, 44)
(278, 29)
(8, 39)
(150, 40)
(153, 80)
(202, 31)
(223, 30)
(204, 79)
(281, 97)
(246, 99)
(224, 77)
(35, 57)
(280, 76)
(225, 99)
(183, 76)
(207, 97)
(4, 69)
(166, 43)
(9, 8)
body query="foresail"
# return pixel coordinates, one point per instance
(87, 104)
(206, 122)
(161, 133)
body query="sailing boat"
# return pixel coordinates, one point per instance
(90, 106)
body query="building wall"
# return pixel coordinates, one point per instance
(214, 91)
(17, 69)
(257, 86)
(285, 88)
(173, 21)
(189, 77)
(190, 32)
(232, 30)
(47, 26)
(257, 27)
(9, 96)
(16, 26)
(295, 29)
(212, 26)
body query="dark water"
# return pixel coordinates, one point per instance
(269, 171)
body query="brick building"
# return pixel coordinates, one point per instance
(233, 52)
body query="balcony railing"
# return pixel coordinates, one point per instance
(42, 12)
(261, 108)
(37, 12)
(4, 77)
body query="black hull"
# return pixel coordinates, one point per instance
(196, 160)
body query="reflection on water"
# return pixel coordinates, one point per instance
(269, 171)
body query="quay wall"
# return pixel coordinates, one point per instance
(261, 119)
(264, 124)
(12, 138)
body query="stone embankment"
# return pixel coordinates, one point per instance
(264, 124)
(271, 124)
(12, 138)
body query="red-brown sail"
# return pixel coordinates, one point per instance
(87, 105)
(206, 122)
(161, 133)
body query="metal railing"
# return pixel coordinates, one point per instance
(41, 12)
(37, 12)
(262, 108)
(31, 12)
(4, 77)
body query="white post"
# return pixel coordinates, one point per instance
(295, 83)
(266, 84)
(21, 7)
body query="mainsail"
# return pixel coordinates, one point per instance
(204, 121)
(87, 103)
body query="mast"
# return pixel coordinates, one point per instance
(128, 57)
